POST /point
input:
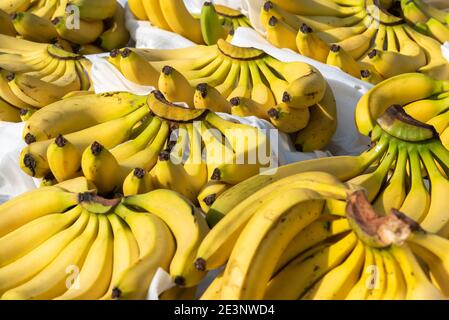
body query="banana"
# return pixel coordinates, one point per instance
(114, 58)
(6, 92)
(378, 290)
(51, 281)
(339, 34)
(33, 27)
(378, 99)
(432, 248)
(116, 36)
(337, 283)
(6, 25)
(438, 30)
(306, 90)
(437, 66)
(63, 158)
(211, 26)
(147, 157)
(307, 271)
(168, 173)
(311, 45)
(125, 250)
(187, 226)
(87, 32)
(358, 45)
(97, 164)
(371, 76)
(325, 22)
(297, 208)
(319, 231)
(153, 11)
(369, 278)
(217, 77)
(178, 293)
(138, 10)
(417, 201)
(281, 34)
(135, 68)
(394, 194)
(245, 107)
(95, 10)
(228, 84)
(395, 287)
(339, 58)
(213, 291)
(260, 92)
(143, 138)
(409, 58)
(440, 122)
(269, 9)
(29, 236)
(277, 85)
(218, 244)
(204, 70)
(78, 113)
(373, 182)
(208, 97)
(11, 6)
(45, 11)
(21, 210)
(194, 166)
(288, 119)
(216, 148)
(437, 271)
(27, 266)
(95, 275)
(137, 182)
(436, 218)
(209, 193)
(156, 248)
(175, 87)
(315, 8)
(181, 21)
(33, 159)
(418, 285)
(427, 109)
(8, 112)
(412, 13)
(321, 125)
(243, 86)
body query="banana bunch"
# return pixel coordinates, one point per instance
(427, 100)
(370, 40)
(293, 96)
(395, 173)
(64, 242)
(33, 75)
(131, 144)
(292, 243)
(215, 21)
(101, 26)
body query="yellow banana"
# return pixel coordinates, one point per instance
(289, 119)
(95, 275)
(175, 87)
(8, 112)
(63, 158)
(138, 9)
(339, 58)
(87, 32)
(136, 69)
(209, 193)
(51, 281)
(156, 249)
(137, 182)
(154, 13)
(208, 97)
(187, 225)
(311, 45)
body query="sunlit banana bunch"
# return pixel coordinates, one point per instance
(241, 81)
(65, 242)
(427, 100)
(82, 26)
(33, 75)
(215, 21)
(131, 144)
(372, 40)
(405, 159)
(286, 240)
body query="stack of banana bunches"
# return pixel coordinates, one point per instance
(347, 227)
(370, 39)
(80, 26)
